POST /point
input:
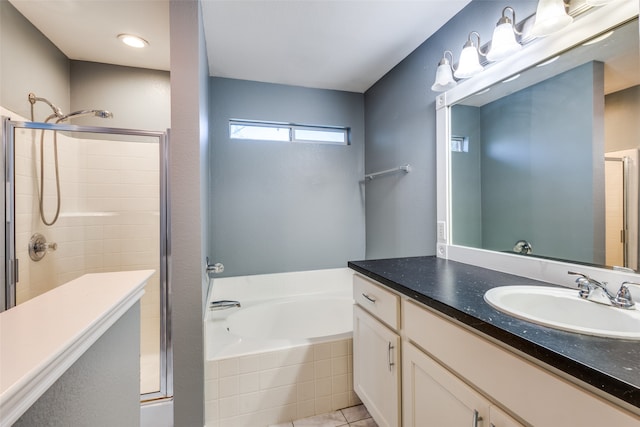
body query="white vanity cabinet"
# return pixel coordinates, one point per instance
(499, 418)
(511, 383)
(432, 396)
(454, 376)
(376, 351)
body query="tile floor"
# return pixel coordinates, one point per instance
(355, 416)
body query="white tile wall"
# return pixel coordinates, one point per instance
(109, 220)
(279, 386)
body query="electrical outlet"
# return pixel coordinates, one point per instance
(442, 251)
(442, 231)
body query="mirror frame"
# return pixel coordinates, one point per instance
(583, 28)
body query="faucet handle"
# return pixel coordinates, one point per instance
(583, 282)
(587, 286)
(581, 276)
(623, 297)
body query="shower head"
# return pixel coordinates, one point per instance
(57, 112)
(103, 114)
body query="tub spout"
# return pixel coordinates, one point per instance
(223, 305)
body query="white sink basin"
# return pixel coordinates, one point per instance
(564, 309)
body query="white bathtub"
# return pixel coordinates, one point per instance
(285, 354)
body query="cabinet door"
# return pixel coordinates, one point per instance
(500, 419)
(376, 369)
(433, 397)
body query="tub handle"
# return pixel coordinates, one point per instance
(389, 349)
(370, 299)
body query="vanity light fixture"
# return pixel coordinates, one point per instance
(597, 3)
(133, 41)
(551, 16)
(444, 74)
(469, 64)
(504, 41)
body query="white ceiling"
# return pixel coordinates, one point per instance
(332, 44)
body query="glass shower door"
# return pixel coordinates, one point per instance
(83, 200)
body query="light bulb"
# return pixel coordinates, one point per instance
(469, 64)
(444, 78)
(551, 16)
(503, 43)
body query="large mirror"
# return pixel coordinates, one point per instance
(545, 163)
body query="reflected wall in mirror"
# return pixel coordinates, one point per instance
(546, 163)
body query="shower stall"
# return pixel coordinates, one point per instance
(81, 200)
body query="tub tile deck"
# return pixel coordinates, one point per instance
(355, 416)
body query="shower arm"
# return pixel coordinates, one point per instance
(57, 112)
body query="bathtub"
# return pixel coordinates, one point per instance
(285, 354)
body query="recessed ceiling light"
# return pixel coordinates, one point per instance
(133, 41)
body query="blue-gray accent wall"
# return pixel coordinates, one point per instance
(401, 128)
(281, 206)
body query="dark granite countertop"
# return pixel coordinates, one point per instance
(457, 290)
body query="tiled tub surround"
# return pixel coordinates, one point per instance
(255, 383)
(108, 220)
(610, 367)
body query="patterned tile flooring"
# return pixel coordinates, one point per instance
(356, 416)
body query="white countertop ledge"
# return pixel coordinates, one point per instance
(41, 338)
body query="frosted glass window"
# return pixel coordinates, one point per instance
(330, 136)
(268, 131)
(460, 144)
(259, 132)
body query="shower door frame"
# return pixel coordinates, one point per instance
(8, 294)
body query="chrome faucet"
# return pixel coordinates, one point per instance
(592, 290)
(223, 305)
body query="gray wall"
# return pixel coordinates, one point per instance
(101, 389)
(187, 176)
(138, 98)
(531, 140)
(622, 127)
(29, 62)
(280, 206)
(401, 128)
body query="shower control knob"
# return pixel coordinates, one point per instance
(39, 247)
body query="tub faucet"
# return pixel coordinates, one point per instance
(592, 290)
(223, 305)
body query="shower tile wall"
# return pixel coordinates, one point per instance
(109, 221)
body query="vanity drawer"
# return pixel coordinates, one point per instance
(383, 304)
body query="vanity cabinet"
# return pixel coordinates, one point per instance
(454, 376)
(510, 382)
(376, 351)
(432, 396)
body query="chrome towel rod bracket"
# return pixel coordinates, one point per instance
(404, 168)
